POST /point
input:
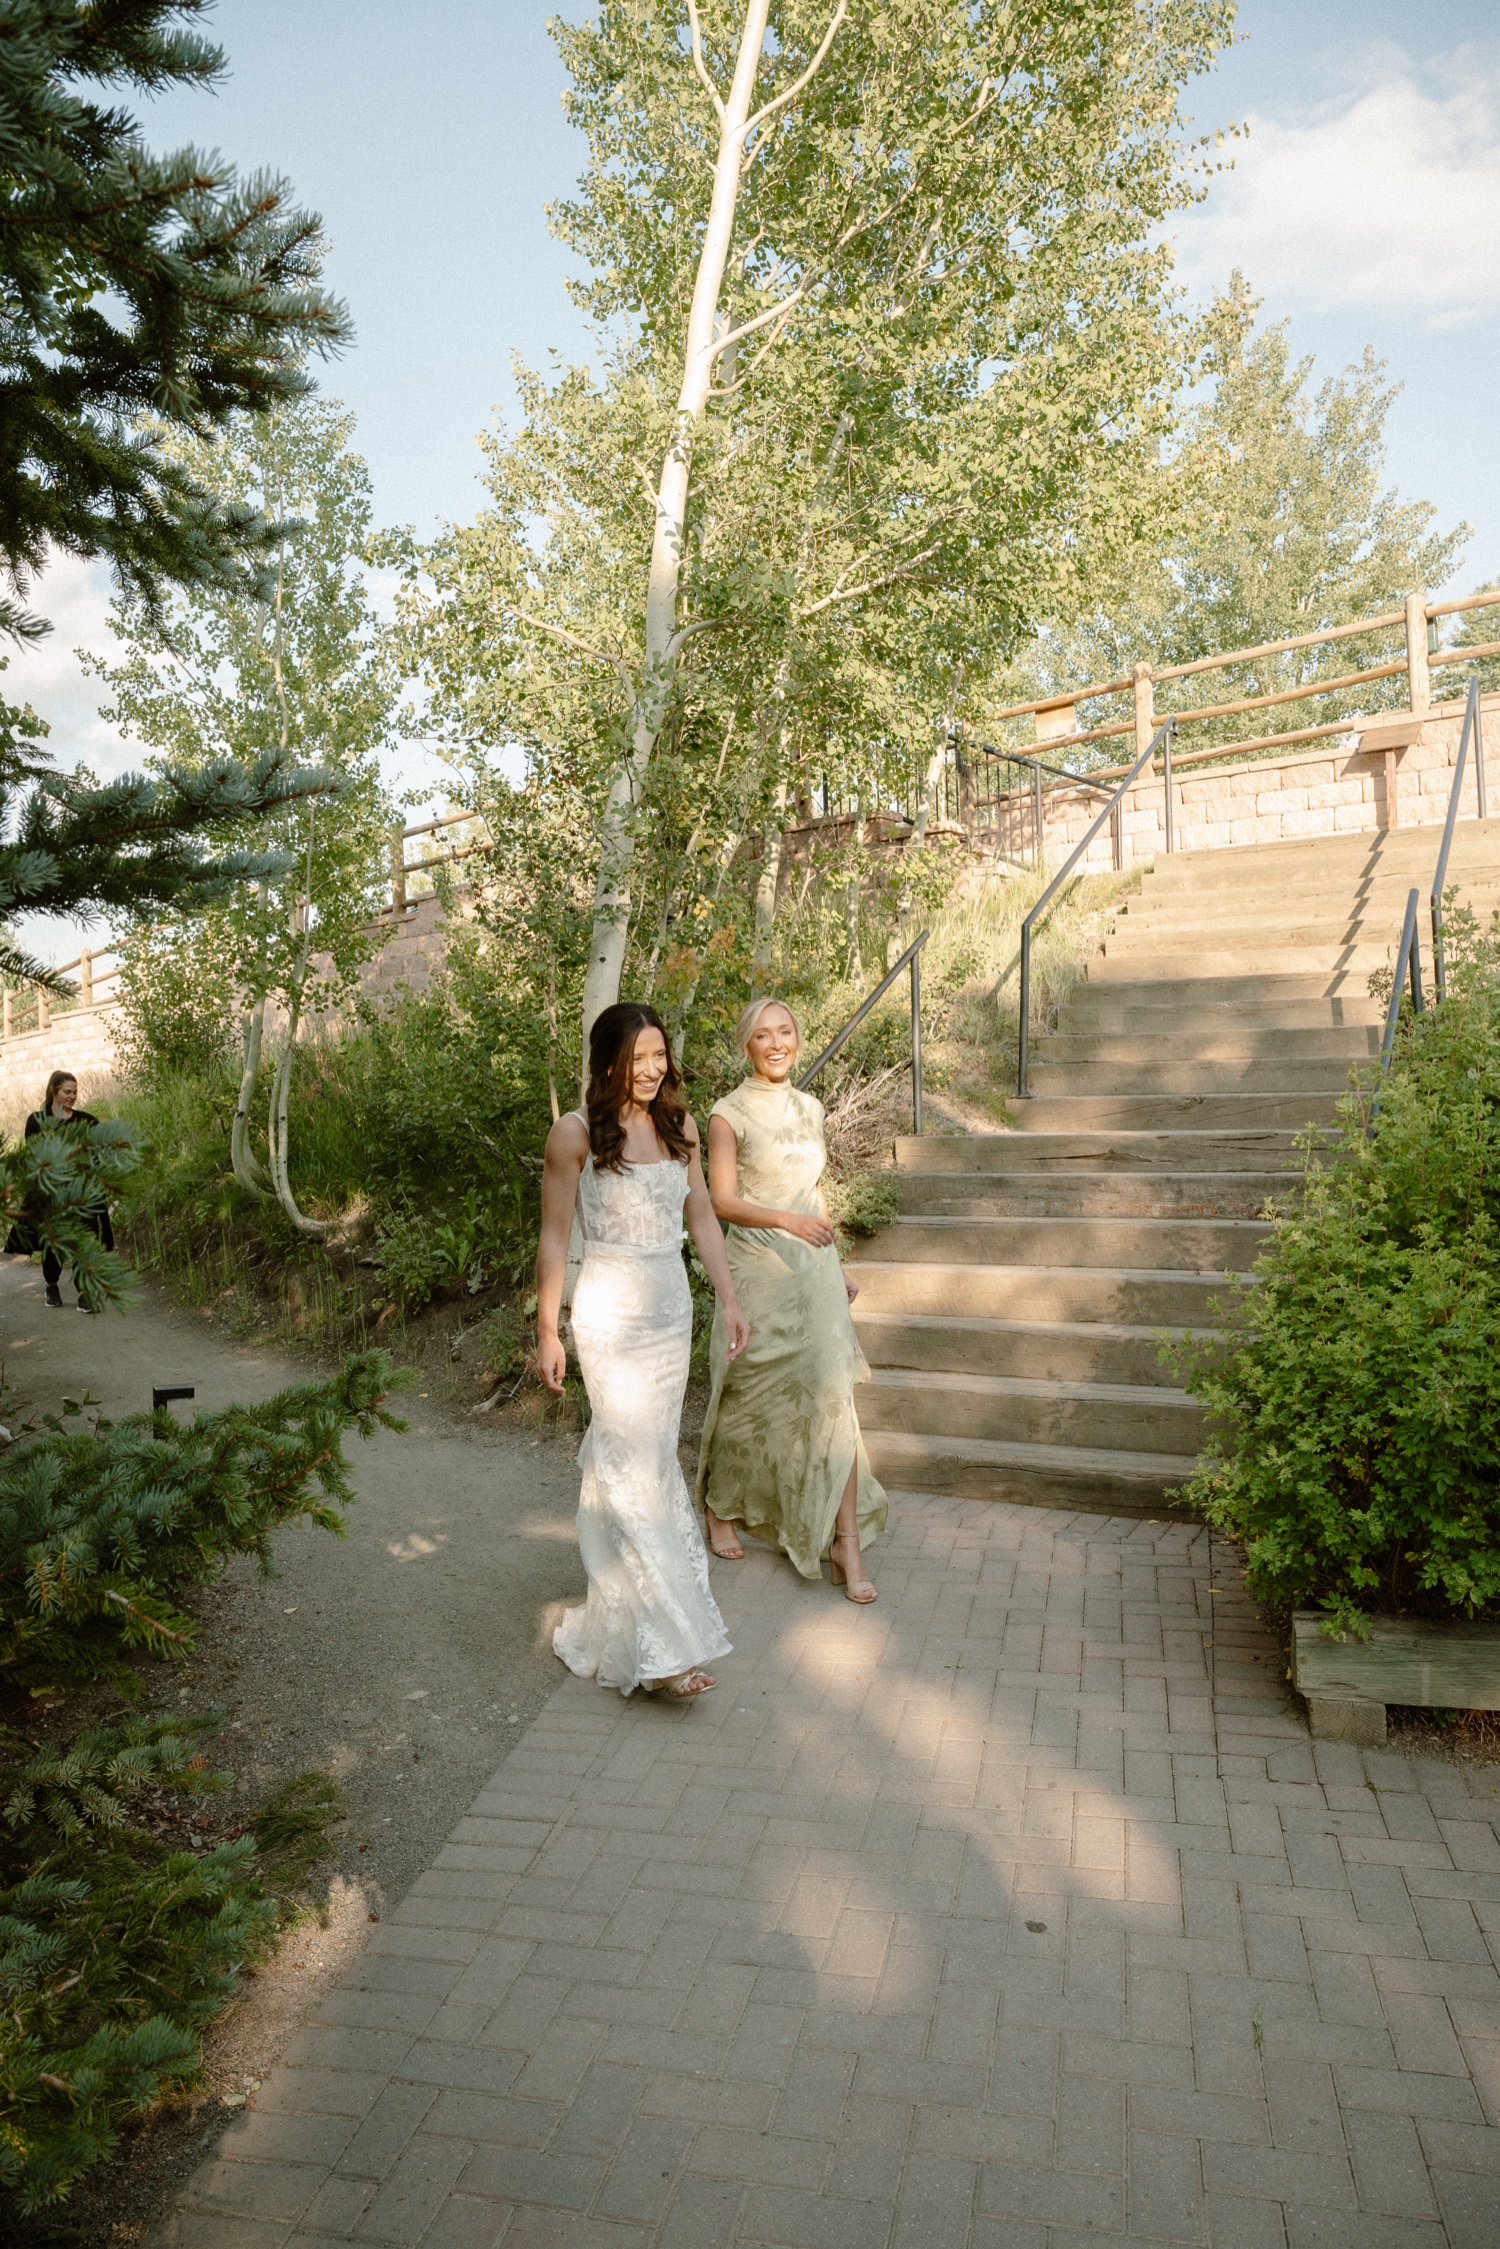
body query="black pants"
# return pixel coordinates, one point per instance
(97, 1223)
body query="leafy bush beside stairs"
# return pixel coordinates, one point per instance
(100, 1527)
(1358, 1401)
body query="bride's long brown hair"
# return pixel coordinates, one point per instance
(611, 1057)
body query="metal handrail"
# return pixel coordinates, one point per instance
(1471, 726)
(1162, 736)
(1024, 757)
(1408, 967)
(909, 959)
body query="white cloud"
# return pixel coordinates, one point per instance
(74, 597)
(1387, 197)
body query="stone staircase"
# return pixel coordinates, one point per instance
(1013, 1314)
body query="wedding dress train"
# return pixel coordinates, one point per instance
(649, 1612)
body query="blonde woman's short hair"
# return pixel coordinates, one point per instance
(744, 1030)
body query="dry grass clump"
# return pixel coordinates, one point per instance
(971, 970)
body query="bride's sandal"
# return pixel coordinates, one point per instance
(686, 1687)
(858, 1589)
(718, 1529)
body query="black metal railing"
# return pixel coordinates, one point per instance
(910, 959)
(1161, 739)
(1408, 970)
(1471, 731)
(1040, 777)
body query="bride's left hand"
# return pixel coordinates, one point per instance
(736, 1330)
(851, 1288)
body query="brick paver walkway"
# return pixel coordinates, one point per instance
(1016, 1913)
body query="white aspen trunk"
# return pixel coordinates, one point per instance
(766, 889)
(617, 828)
(276, 1135)
(250, 1173)
(917, 841)
(281, 1080)
(248, 1169)
(851, 900)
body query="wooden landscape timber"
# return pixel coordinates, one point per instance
(1424, 1663)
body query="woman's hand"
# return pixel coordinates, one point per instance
(808, 1227)
(552, 1362)
(851, 1288)
(736, 1327)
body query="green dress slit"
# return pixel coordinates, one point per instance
(781, 1429)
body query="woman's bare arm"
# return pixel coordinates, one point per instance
(567, 1148)
(731, 1207)
(708, 1241)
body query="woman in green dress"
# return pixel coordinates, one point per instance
(782, 1455)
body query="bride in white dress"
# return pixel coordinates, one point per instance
(631, 1168)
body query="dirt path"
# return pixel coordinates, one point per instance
(401, 1659)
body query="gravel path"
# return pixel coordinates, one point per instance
(402, 1659)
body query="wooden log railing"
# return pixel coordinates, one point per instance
(402, 868)
(1055, 717)
(29, 1007)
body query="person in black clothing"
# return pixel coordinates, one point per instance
(59, 1109)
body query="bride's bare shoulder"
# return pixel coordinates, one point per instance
(568, 1141)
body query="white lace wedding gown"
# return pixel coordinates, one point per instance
(649, 1612)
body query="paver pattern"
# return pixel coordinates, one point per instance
(1018, 1912)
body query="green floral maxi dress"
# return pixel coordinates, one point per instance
(781, 1429)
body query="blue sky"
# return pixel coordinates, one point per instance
(1365, 203)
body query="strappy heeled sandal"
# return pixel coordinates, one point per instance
(862, 1591)
(686, 1687)
(735, 1553)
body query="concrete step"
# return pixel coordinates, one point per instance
(1091, 1482)
(1197, 1042)
(1132, 1011)
(1401, 848)
(1057, 1154)
(1049, 1350)
(1246, 930)
(1200, 995)
(1118, 1194)
(1140, 963)
(1321, 874)
(1264, 1077)
(1370, 902)
(1156, 1245)
(1250, 1076)
(1105, 1416)
(1119, 1296)
(1146, 1112)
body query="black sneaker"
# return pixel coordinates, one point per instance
(86, 1307)
(54, 1295)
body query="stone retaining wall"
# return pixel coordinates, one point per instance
(1320, 791)
(82, 1041)
(85, 1039)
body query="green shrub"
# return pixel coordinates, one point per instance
(114, 1949)
(1355, 1398)
(862, 1202)
(100, 1527)
(469, 1244)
